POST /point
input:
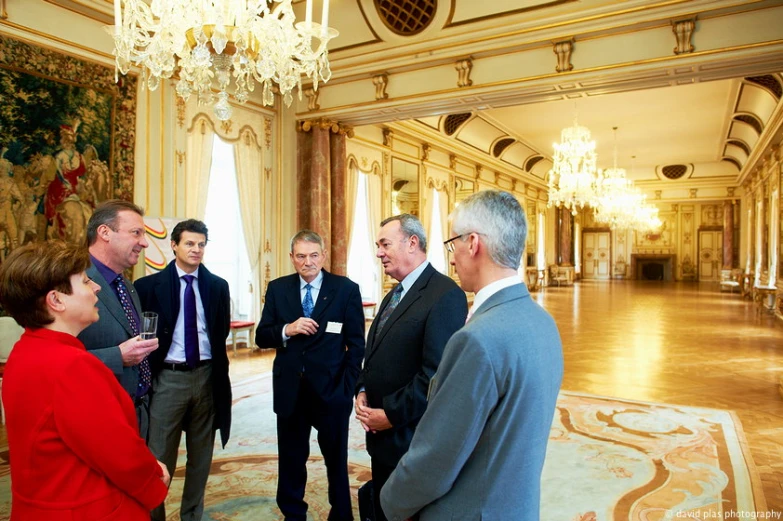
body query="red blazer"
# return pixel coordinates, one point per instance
(73, 438)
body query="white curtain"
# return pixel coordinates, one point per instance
(444, 213)
(199, 163)
(352, 182)
(375, 192)
(425, 215)
(248, 158)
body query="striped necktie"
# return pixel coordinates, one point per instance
(389, 309)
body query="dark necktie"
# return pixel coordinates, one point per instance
(389, 309)
(145, 376)
(191, 326)
(307, 303)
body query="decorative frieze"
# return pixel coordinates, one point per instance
(312, 98)
(463, 72)
(381, 81)
(563, 51)
(683, 31)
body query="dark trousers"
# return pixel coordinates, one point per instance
(380, 475)
(293, 438)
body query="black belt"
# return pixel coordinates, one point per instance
(182, 366)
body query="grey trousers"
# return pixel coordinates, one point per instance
(182, 401)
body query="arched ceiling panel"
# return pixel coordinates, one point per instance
(517, 154)
(744, 132)
(542, 168)
(479, 134)
(736, 153)
(757, 101)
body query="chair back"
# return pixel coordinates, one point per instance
(10, 332)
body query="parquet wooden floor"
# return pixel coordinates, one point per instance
(677, 343)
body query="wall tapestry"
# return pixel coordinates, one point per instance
(67, 135)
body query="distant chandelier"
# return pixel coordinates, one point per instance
(573, 179)
(205, 39)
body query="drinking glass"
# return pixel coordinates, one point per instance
(149, 325)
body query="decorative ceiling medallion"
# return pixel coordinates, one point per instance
(453, 122)
(501, 145)
(674, 171)
(406, 17)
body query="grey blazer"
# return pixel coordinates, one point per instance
(112, 328)
(479, 449)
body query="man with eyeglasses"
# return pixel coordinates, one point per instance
(115, 237)
(404, 345)
(479, 449)
(315, 321)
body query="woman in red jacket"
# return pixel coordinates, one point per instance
(74, 446)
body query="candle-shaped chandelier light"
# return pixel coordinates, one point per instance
(209, 42)
(574, 177)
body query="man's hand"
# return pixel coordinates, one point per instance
(302, 326)
(166, 477)
(372, 420)
(135, 350)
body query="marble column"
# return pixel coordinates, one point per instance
(321, 185)
(565, 232)
(728, 235)
(339, 233)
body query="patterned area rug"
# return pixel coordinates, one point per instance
(608, 460)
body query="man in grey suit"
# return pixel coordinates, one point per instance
(404, 345)
(479, 449)
(115, 236)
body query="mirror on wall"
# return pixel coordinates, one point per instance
(405, 187)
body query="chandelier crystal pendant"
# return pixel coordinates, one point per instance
(573, 179)
(209, 42)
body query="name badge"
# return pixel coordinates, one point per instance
(334, 327)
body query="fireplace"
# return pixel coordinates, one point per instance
(653, 266)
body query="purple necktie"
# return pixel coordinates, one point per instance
(145, 376)
(191, 327)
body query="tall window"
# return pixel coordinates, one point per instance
(541, 245)
(226, 254)
(435, 253)
(362, 264)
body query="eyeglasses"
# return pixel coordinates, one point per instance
(450, 243)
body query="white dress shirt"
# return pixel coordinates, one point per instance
(176, 354)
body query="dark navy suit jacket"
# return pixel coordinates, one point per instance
(329, 361)
(160, 293)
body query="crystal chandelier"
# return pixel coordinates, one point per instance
(205, 40)
(573, 180)
(616, 196)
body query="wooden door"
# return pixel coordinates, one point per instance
(595, 255)
(710, 255)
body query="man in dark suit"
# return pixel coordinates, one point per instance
(405, 345)
(315, 321)
(115, 236)
(192, 390)
(479, 449)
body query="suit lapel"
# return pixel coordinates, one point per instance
(109, 299)
(293, 295)
(325, 295)
(167, 293)
(411, 296)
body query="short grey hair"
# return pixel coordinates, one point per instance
(307, 236)
(410, 226)
(498, 217)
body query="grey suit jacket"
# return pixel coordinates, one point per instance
(112, 328)
(479, 449)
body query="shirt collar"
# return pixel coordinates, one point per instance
(413, 276)
(492, 288)
(106, 272)
(316, 283)
(181, 273)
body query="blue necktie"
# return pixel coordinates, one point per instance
(145, 376)
(191, 327)
(389, 309)
(307, 303)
